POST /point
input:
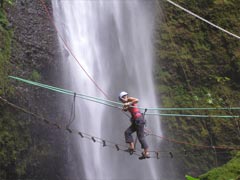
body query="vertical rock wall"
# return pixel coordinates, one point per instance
(35, 57)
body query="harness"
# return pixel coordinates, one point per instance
(135, 112)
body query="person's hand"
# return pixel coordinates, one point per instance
(126, 106)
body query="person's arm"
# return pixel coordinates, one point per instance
(130, 101)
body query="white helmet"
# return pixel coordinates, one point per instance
(123, 93)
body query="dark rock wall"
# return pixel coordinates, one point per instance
(35, 56)
(35, 40)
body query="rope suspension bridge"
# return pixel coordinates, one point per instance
(113, 104)
(155, 154)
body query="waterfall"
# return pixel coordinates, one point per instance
(112, 39)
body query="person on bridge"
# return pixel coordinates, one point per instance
(137, 124)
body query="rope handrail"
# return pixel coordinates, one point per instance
(114, 104)
(195, 115)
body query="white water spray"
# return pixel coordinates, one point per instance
(112, 39)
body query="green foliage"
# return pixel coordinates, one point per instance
(7, 1)
(14, 136)
(191, 178)
(5, 44)
(35, 76)
(14, 142)
(198, 66)
(229, 171)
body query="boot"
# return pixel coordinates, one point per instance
(144, 155)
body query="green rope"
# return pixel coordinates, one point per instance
(195, 115)
(113, 103)
(68, 92)
(63, 90)
(178, 109)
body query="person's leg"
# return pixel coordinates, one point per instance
(131, 145)
(128, 136)
(141, 138)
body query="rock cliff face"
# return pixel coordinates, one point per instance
(35, 56)
(35, 41)
(34, 49)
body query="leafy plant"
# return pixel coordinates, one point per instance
(35, 76)
(229, 171)
(191, 178)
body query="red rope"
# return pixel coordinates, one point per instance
(69, 49)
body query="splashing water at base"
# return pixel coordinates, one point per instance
(112, 40)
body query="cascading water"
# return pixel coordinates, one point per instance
(112, 39)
